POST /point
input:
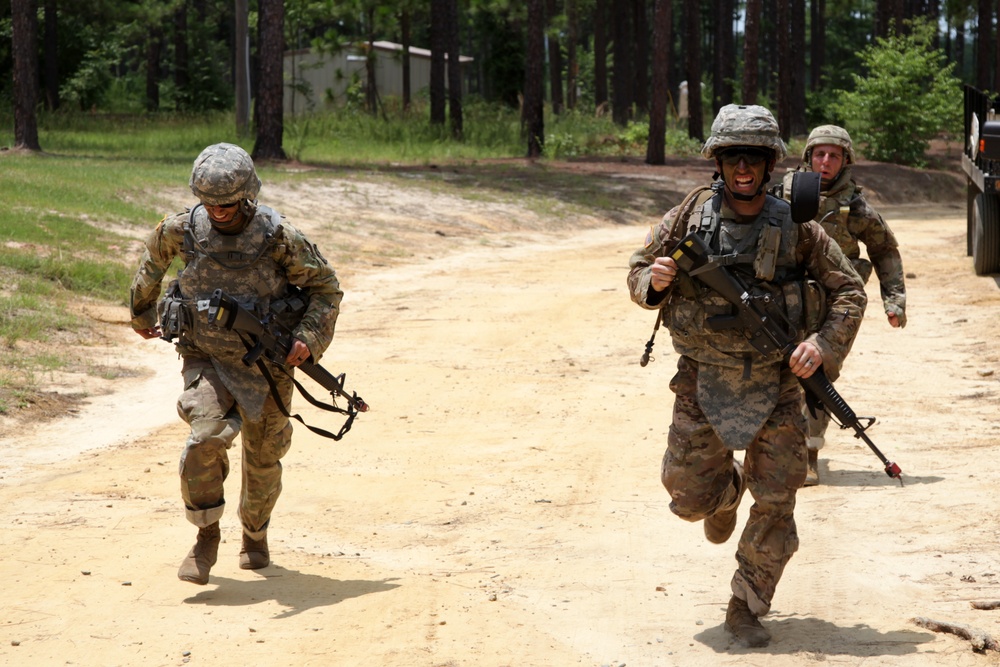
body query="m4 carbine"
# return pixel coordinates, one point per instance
(270, 338)
(767, 331)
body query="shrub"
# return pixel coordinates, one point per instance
(908, 97)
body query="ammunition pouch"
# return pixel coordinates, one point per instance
(288, 310)
(174, 313)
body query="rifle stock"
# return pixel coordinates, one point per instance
(763, 328)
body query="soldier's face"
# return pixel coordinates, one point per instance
(743, 170)
(222, 214)
(827, 161)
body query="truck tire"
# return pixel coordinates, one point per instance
(986, 235)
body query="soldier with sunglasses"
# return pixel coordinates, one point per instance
(230, 242)
(729, 397)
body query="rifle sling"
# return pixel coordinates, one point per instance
(284, 410)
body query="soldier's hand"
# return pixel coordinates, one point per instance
(662, 273)
(893, 320)
(805, 359)
(151, 332)
(298, 353)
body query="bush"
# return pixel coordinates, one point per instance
(908, 97)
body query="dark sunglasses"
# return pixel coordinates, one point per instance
(233, 205)
(751, 156)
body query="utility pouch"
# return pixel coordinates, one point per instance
(766, 260)
(175, 317)
(815, 305)
(289, 310)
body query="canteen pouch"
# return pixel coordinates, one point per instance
(175, 316)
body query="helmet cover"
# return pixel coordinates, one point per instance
(829, 135)
(744, 125)
(224, 174)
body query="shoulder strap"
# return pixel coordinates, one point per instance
(693, 200)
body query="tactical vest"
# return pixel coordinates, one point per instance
(762, 255)
(243, 266)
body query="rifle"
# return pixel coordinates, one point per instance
(768, 331)
(273, 340)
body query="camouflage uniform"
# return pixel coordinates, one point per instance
(850, 220)
(222, 397)
(731, 397)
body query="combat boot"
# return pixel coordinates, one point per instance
(812, 469)
(254, 554)
(720, 526)
(202, 556)
(744, 626)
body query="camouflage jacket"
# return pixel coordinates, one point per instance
(285, 258)
(848, 217)
(727, 385)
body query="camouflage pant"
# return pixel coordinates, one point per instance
(215, 419)
(698, 473)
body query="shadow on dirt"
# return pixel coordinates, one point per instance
(296, 591)
(820, 639)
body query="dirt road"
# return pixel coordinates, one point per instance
(501, 503)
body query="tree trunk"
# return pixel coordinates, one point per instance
(751, 51)
(371, 84)
(983, 51)
(51, 41)
(572, 67)
(692, 46)
(817, 41)
(454, 71)
(532, 115)
(784, 115)
(725, 56)
(555, 58)
(404, 30)
(154, 41)
(438, 38)
(242, 69)
(181, 78)
(24, 42)
(798, 69)
(270, 102)
(662, 28)
(640, 65)
(996, 56)
(600, 53)
(960, 49)
(621, 75)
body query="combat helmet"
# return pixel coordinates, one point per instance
(744, 125)
(832, 135)
(223, 174)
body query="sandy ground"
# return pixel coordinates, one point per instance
(501, 503)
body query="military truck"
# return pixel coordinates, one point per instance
(981, 164)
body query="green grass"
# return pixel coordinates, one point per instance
(104, 180)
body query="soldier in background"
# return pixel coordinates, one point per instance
(730, 397)
(850, 220)
(230, 242)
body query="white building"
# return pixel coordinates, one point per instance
(315, 81)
